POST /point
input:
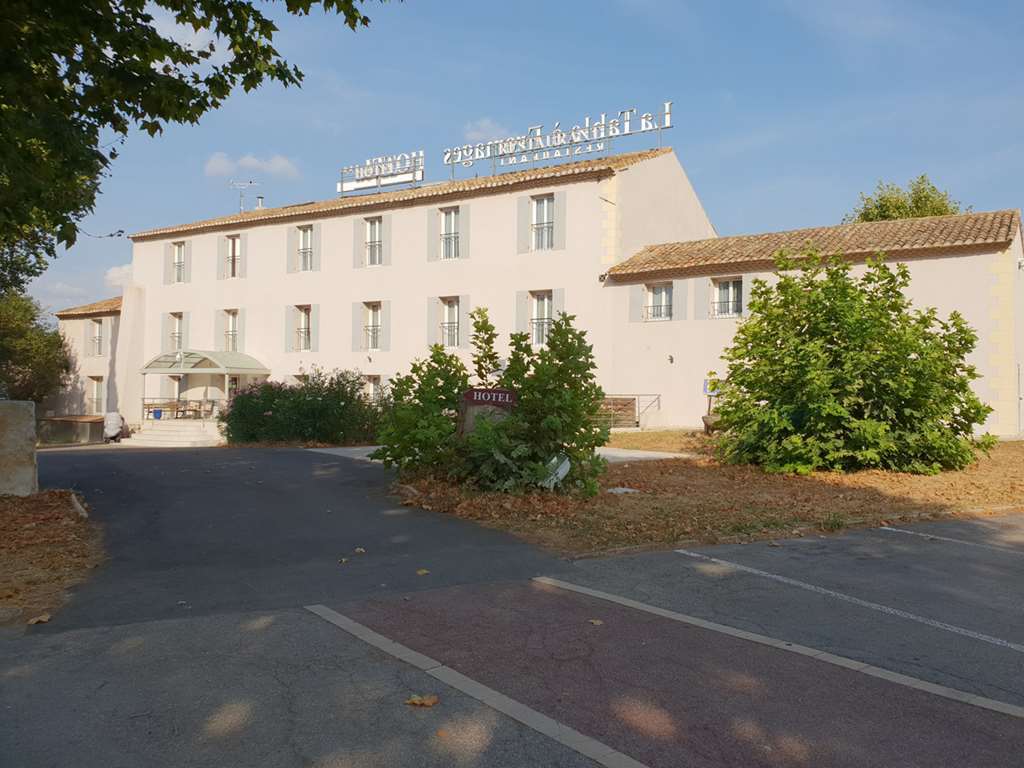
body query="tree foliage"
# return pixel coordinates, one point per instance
(890, 201)
(34, 358)
(76, 77)
(837, 372)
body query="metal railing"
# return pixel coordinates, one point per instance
(175, 341)
(179, 271)
(372, 336)
(450, 245)
(450, 334)
(96, 346)
(230, 341)
(627, 410)
(95, 406)
(305, 259)
(726, 308)
(540, 327)
(658, 312)
(181, 408)
(302, 339)
(231, 266)
(544, 236)
(374, 252)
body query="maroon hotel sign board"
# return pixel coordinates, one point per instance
(499, 398)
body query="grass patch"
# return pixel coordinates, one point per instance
(671, 440)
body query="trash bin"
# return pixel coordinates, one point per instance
(157, 413)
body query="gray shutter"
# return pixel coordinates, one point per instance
(103, 395)
(433, 234)
(289, 329)
(316, 241)
(219, 328)
(291, 263)
(464, 251)
(186, 341)
(679, 291)
(108, 337)
(463, 321)
(243, 259)
(522, 311)
(523, 224)
(637, 299)
(433, 320)
(165, 332)
(168, 263)
(358, 334)
(557, 301)
(701, 286)
(385, 237)
(314, 328)
(240, 326)
(222, 257)
(358, 243)
(86, 341)
(560, 221)
(385, 326)
(188, 261)
(748, 284)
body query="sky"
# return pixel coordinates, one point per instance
(784, 111)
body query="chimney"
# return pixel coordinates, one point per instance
(259, 201)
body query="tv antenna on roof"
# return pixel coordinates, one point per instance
(241, 186)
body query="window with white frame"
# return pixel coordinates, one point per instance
(450, 322)
(95, 404)
(543, 222)
(233, 266)
(372, 328)
(449, 233)
(303, 328)
(231, 330)
(177, 323)
(727, 297)
(541, 317)
(96, 337)
(659, 302)
(178, 261)
(305, 249)
(372, 388)
(374, 243)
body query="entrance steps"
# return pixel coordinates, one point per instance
(176, 433)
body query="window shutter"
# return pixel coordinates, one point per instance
(188, 261)
(464, 251)
(108, 342)
(240, 326)
(316, 241)
(291, 262)
(637, 299)
(165, 332)
(522, 311)
(219, 329)
(701, 286)
(679, 297)
(358, 243)
(243, 258)
(222, 257)
(557, 301)
(385, 326)
(314, 328)
(358, 332)
(385, 237)
(560, 221)
(463, 321)
(103, 395)
(748, 284)
(433, 320)
(523, 224)
(168, 263)
(185, 340)
(289, 329)
(86, 338)
(433, 234)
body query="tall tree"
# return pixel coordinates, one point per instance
(890, 201)
(75, 77)
(34, 359)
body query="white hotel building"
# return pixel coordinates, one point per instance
(369, 281)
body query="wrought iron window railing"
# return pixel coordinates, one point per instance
(450, 245)
(540, 327)
(732, 308)
(543, 235)
(230, 341)
(95, 406)
(302, 339)
(374, 252)
(450, 334)
(658, 312)
(231, 266)
(305, 259)
(175, 341)
(372, 336)
(96, 346)
(179, 272)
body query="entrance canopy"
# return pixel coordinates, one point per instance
(198, 361)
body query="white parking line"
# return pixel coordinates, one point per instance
(1008, 550)
(857, 601)
(600, 753)
(803, 650)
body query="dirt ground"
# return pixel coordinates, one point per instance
(673, 440)
(700, 500)
(46, 546)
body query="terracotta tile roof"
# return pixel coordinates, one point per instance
(902, 237)
(105, 307)
(413, 195)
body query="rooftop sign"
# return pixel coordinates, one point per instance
(403, 168)
(583, 138)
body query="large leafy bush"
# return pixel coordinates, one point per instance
(837, 372)
(323, 407)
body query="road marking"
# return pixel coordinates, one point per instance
(600, 753)
(862, 603)
(803, 650)
(952, 541)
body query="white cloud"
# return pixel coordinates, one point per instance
(118, 277)
(221, 164)
(61, 290)
(166, 26)
(484, 129)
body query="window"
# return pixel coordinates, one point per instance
(305, 249)
(96, 337)
(449, 233)
(178, 262)
(374, 244)
(543, 222)
(659, 302)
(372, 327)
(176, 331)
(231, 330)
(371, 388)
(727, 297)
(450, 322)
(541, 317)
(302, 331)
(95, 400)
(232, 268)
(232, 386)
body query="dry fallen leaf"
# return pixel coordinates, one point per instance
(422, 572)
(342, 560)
(596, 622)
(422, 701)
(360, 551)
(42, 618)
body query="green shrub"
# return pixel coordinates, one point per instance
(323, 408)
(841, 373)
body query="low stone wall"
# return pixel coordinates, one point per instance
(18, 475)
